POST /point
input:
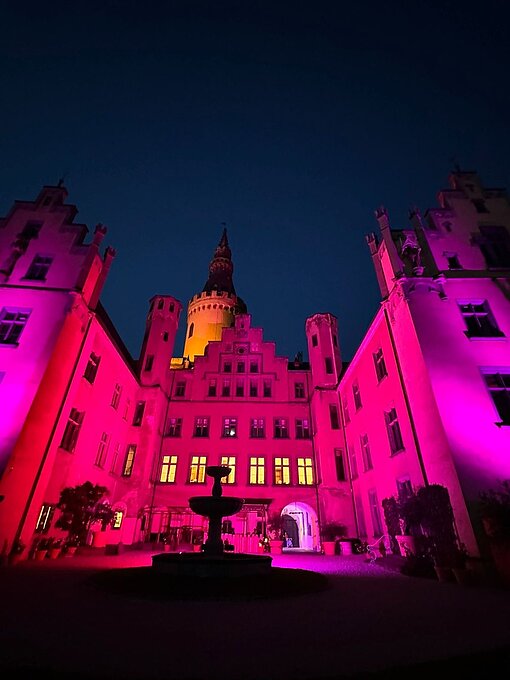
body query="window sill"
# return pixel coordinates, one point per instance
(395, 453)
(9, 344)
(380, 380)
(496, 336)
(502, 423)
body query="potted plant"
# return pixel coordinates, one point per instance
(494, 508)
(81, 507)
(331, 533)
(70, 546)
(42, 548)
(55, 549)
(16, 552)
(275, 533)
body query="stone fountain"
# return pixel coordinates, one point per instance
(213, 561)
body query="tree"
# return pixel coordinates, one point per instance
(80, 507)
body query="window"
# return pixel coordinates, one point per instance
(253, 388)
(375, 512)
(229, 461)
(479, 320)
(305, 471)
(340, 465)
(129, 460)
(453, 261)
(257, 470)
(72, 430)
(173, 427)
(494, 243)
(480, 205)
(365, 453)
(165, 336)
(281, 430)
(197, 469)
(394, 434)
(254, 367)
(161, 304)
(115, 458)
(149, 362)
(267, 388)
(240, 366)
(357, 396)
(201, 427)
(345, 407)
(229, 427)
(225, 390)
(117, 391)
(257, 429)
(168, 469)
(335, 340)
(353, 461)
(380, 365)
(44, 519)
(302, 428)
(92, 367)
(39, 268)
(299, 390)
(315, 342)
(333, 417)
(240, 388)
(329, 364)
(499, 389)
(126, 409)
(180, 388)
(138, 415)
(404, 487)
(12, 323)
(171, 307)
(227, 367)
(212, 388)
(281, 471)
(118, 516)
(191, 330)
(102, 450)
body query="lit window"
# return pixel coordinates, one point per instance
(102, 450)
(380, 365)
(340, 465)
(393, 428)
(499, 389)
(39, 268)
(229, 427)
(281, 471)
(44, 519)
(12, 323)
(168, 469)
(281, 430)
(197, 469)
(302, 428)
(479, 320)
(305, 471)
(357, 396)
(118, 516)
(267, 388)
(127, 468)
(333, 417)
(201, 427)
(299, 390)
(230, 462)
(365, 453)
(180, 388)
(72, 430)
(257, 428)
(138, 415)
(173, 427)
(92, 367)
(117, 391)
(257, 470)
(212, 388)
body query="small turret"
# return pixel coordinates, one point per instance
(159, 339)
(324, 349)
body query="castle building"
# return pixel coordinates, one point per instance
(425, 399)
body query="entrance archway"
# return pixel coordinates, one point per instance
(302, 522)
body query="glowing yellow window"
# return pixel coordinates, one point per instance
(197, 469)
(117, 519)
(230, 461)
(257, 470)
(281, 471)
(305, 471)
(168, 469)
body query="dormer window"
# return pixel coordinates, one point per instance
(39, 268)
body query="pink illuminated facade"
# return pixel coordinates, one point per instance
(425, 399)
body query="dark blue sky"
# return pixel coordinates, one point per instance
(291, 122)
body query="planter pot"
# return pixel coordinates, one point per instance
(14, 559)
(276, 547)
(54, 553)
(329, 547)
(346, 547)
(444, 574)
(71, 550)
(40, 554)
(406, 544)
(166, 547)
(197, 547)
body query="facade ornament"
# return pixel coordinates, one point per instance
(410, 253)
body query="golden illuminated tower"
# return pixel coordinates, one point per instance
(215, 307)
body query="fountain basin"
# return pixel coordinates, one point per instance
(201, 565)
(209, 506)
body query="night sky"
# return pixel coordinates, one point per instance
(291, 122)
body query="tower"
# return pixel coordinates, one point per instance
(215, 307)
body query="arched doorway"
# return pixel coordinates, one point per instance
(303, 527)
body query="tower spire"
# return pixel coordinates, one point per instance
(221, 268)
